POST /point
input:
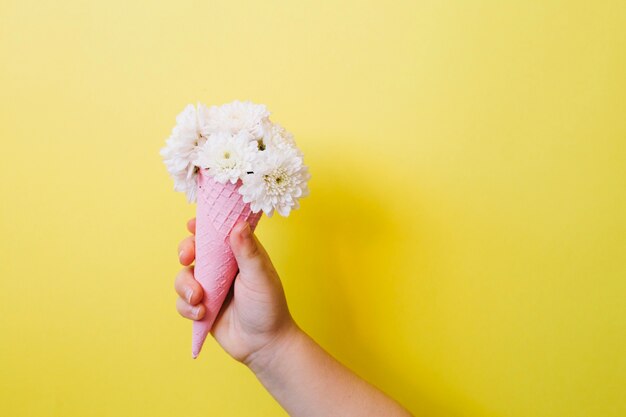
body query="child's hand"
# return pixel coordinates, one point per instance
(255, 314)
(255, 327)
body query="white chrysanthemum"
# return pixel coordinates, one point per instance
(276, 136)
(279, 180)
(236, 117)
(228, 158)
(181, 148)
(186, 182)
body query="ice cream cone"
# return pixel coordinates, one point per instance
(220, 207)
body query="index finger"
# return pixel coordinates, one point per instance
(191, 225)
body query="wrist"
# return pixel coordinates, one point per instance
(265, 358)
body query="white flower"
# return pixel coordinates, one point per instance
(181, 148)
(279, 180)
(236, 117)
(237, 142)
(227, 157)
(276, 136)
(186, 182)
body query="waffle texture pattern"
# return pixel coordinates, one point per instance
(220, 207)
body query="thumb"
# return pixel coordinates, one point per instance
(252, 259)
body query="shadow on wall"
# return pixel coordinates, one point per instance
(342, 288)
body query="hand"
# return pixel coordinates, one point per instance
(254, 316)
(255, 327)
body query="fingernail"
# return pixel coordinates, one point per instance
(180, 254)
(195, 311)
(246, 232)
(188, 294)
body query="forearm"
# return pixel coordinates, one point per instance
(308, 382)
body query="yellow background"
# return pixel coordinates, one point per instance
(463, 247)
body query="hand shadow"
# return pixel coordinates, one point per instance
(341, 292)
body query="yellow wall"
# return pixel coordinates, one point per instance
(463, 247)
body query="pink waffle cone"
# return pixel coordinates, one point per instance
(220, 207)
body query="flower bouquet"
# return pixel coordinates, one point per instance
(236, 164)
